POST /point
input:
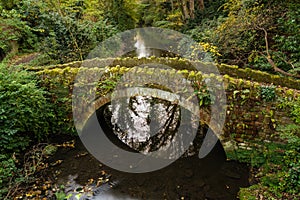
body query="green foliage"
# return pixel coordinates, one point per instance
(293, 106)
(63, 31)
(280, 172)
(205, 31)
(67, 37)
(15, 33)
(204, 96)
(67, 30)
(295, 111)
(292, 158)
(60, 195)
(123, 13)
(108, 84)
(16, 172)
(206, 20)
(164, 14)
(259, 154)
(268, 93)
(249, 30)
(23, 111)
(287, 38)
(287, 177)
(279, 166)
(9, 4)
(61, 105)
(8, 170)
(26, 117)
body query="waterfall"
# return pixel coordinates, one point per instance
(141, 50)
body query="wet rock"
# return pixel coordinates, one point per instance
(232, 175)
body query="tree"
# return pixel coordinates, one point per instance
(261, 34)
(9, 4)
(123, 13)
(188, 8)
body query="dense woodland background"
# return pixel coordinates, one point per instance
(257, 34)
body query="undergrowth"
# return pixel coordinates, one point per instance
(279, 169)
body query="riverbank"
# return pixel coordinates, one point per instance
(73, 171)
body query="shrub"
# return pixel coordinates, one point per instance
(8, 169)
(280, 173)
(23, 110)
(15, 33)
(69, 39)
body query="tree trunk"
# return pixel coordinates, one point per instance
(185, 9)
(192, 9)
(201, 4)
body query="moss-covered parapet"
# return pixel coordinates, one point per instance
(181, 64)
(66, 76)
(253, 109)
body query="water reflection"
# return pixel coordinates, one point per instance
(111, 195)
(187, 178)
(146, 124)
(142, 50)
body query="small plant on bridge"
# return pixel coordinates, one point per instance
(205, 98)
(107, 84)
(268, 93)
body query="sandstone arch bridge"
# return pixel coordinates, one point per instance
(251, 116)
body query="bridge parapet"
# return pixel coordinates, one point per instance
(180, 64)
(253, 108)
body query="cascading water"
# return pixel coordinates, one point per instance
(141, 49)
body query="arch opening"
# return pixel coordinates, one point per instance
(137, 139)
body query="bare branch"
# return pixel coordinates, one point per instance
(269, 58)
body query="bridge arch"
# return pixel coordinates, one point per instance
(205, 119)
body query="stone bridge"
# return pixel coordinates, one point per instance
(253, 110)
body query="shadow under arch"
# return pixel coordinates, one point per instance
(208, 165)
(205, 120)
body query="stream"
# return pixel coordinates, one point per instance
(189, 177)
(186, 178)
